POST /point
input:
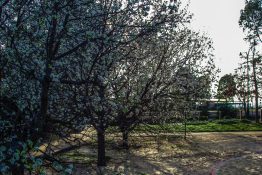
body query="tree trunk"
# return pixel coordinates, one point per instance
(44, 105)
(125, 139)
(51, 50)
(248, 89)
(101, 162)
(248, 110)
(17, 170)
(257, 115)
(256, 90)
(245, 107)
(185, 123)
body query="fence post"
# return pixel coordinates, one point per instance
(260, 115)
(240, 114)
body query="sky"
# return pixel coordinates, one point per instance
(219, 19)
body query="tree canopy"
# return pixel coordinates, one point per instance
(226, 87)
(68, 65)
(251, 19)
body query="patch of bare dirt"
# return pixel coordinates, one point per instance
(172, 155)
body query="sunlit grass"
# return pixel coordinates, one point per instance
(203, 126)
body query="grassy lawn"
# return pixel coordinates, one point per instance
(203, 126)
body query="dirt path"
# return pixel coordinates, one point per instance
(201, 154)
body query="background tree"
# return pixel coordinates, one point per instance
(251, 22)
(251, 19)
(242, 85)
(227, 90)
(154, 88)
(226, 87)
